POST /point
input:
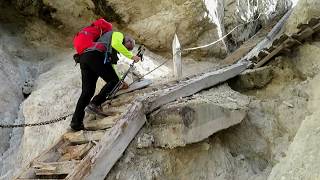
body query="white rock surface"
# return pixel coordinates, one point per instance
(193, 120)
(10, 95)
(154, 23)
(302, 159)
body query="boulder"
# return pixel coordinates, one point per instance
(193, 120)
(253, 78)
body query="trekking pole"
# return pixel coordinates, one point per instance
(114, 91)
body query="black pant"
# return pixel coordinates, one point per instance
(92, 66)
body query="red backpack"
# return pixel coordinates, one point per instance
(87, 36)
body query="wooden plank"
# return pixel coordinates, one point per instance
(135, 86)
(281, 39)
(75, 152)
(263, 53)
(53, 153)
(102, 157)
(193, 85)
(54, 168)
(101, 124)
(270, 37)
(105, 154)
(81, 137)
(176, 53)
(273, 53)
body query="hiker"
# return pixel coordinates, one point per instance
(97, 61)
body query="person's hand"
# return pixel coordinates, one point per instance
(124, 86)
(136, 59)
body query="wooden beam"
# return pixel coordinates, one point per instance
(193, 85)
(176, 53)
(270, 37)
(137, 85)
(75, 152)
(273, 53)
(81, 137)
(54, 168)
(104, 155)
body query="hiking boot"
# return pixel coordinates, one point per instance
(77, 127)
(93, 109)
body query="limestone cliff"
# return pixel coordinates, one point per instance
(276, 139)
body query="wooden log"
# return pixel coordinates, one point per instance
(76, 152)
(101, 124)
(137, 85)
(191, 86)
(270, 37)
(281, 39)
(53, 153)
(273, 53)
(104, 155)
(176, 53)
(54, 168)
(81, 137)
(263, 53)
(276, 29)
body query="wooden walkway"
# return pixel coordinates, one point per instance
(285, 43)
(91, 154)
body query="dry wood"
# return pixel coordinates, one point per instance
(54, 168)
(191, 86)
(102, 157)
(82, 137)
(53, 153)
(75, 152)
(270, 37)
(137, 85)
(273, 53)
(104, 123)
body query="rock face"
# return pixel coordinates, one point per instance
(155, 23)
(241, 11)
(253, 78)
(52, 97)
(302, 13)
(10, 96)
(302, 158)
(195, 119)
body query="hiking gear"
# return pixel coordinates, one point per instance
(141, 51)
(87, 36)
(77, 127)
(114, 91)
(92, 67)
(76, 58)
(93, 109)
(113, 44)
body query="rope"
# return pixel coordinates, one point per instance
(164, 62)
(207, 45)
